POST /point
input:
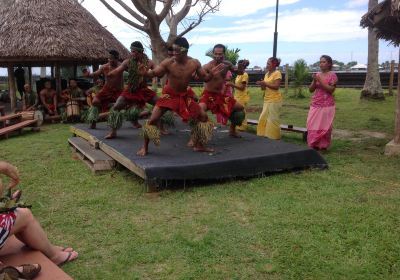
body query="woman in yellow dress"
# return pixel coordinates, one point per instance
(240, 86)
(269, 121)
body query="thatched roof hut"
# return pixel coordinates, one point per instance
(46, 32)
(51, 33)
(385, 18)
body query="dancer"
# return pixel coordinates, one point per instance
(178, 97)
(111, 89)
(322, 109)
(136, 94)
(269, 124)
(241, 92)
(215, 99)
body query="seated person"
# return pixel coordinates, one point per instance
(21, 223)
(74, 93)
(48, 97)
(91, 93)
(30, 100)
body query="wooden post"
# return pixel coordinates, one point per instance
(75, 70)
(391, 78)
(52, 71)
(30, 75)
(11, 88)
(286, 79)
(397, 119)
(58, 79)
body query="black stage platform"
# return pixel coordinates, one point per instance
(173, 160)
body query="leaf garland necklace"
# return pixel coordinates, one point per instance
(135, 80)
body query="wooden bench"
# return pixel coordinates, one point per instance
(5, 131)
(18, 254)
(4, 119)
(286, 127)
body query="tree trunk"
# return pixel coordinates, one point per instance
(11, 88)
(372, 86)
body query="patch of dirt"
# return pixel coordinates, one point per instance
(357, 135)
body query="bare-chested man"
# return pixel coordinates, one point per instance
(111, 90)
(213, 97)
(136, 94)
(178, 97)
(48, 97)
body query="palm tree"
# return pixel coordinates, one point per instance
(372, 86)
(300, 76)
(231, 55)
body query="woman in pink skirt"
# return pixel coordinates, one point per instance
(322, 108)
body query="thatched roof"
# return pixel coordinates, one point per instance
(385, 17)
(46, 32)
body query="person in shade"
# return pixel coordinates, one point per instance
(111, 90)
(269, 124)
(179, 98)
(31, 99)
(322, 108)
(19, 74)
(91, 93)
(49, 100)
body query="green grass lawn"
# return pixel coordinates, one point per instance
(341, 223)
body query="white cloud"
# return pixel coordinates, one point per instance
(304, 25)
(356, 3)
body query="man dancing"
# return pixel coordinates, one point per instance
(111, 89)
(136, 94)
(213, 97)
(178, 97)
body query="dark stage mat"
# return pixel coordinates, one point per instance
(173, 160)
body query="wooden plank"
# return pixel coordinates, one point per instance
(10, 117)
(121, 159)
(285, 127)
(8, 129)
(93, 141)
(18, 254)
(96, 159)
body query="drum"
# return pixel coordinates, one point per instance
(73, 110)
(33, 115)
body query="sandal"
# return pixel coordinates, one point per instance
(29, 271)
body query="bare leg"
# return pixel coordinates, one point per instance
(118, 106)
(154, 119)
(232, 129)
(96, 103)
(28, 230)
(112, 134)
(144, 114)
(199, 147)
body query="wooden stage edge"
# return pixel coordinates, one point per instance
(117, 156)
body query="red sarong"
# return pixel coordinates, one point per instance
(182, 103)
(140, 97)
(218, 103)
(108, 94)
(51, 107)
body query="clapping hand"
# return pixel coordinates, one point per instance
(11, 171)
(217, 69)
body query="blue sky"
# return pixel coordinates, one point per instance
(306, 29)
